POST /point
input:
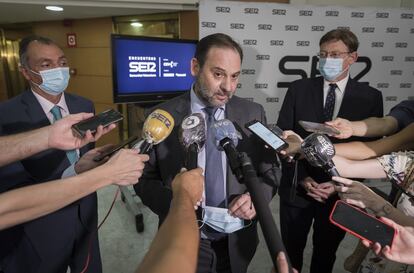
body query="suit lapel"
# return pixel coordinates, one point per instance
(347, 99)
(33, 110)
(317, 98)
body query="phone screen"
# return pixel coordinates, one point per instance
(267, 135)
(315, 127)
(361, 224)
(105, 118)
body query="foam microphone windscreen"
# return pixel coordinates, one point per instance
(193, 131)
(158, 126)
(225, 129)
(318, 149)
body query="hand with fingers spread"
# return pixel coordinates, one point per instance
(344, 126)
(242, 207)
(402, 248)
(356, 193)
(61, 136)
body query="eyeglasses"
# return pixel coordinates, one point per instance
(332, 54)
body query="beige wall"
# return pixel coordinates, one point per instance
(91, 59)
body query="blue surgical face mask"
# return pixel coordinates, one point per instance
(220, 220)
(330, 68)
(54, 81)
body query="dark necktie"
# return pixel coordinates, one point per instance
(72, 154)
(328, 110)
(214, 178)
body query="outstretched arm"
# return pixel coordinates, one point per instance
(370, 168)
(58, 136)
(27, 203)
(175, 247)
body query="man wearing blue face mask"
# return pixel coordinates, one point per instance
(52, 243)
(320, 99)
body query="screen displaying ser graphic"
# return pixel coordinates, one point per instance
(150, 69)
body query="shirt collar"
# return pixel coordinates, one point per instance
(47, 105)
(341, 85)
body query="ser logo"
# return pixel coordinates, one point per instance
(260, 85)
(142, 67)
(356, 14)
(277, 42)
(383, 85)
(377, 44)
(291, 27)
(392, 30)
(387, 58)
(264, 27)
(401, 45)
(236, 26)
(251, 11)
(223, 9)
(305, 13)
(249, 42)
(406, 16)
(278, 11)
(382, 15)
(318, 28)
(331, 13)
(262, 57)
(208, 24)
(368, 29)
(302, 43)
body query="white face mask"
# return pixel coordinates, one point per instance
(331, 68)
(54, 81)
(220, 220)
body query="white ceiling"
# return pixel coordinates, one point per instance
(18, 11)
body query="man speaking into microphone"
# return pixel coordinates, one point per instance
(226, 245)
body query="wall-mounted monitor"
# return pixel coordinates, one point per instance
(148, 70)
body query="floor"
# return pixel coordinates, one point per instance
(122, 247)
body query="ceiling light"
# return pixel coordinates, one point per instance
(136, 24)
(54, 8)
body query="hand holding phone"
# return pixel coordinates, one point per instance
(268, 136)
(320, 128)
(105, 119)
(361, 224)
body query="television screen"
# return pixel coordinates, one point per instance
(150, 70)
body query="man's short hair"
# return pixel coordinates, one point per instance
(24, 44)
(219, 40)
(344, 35)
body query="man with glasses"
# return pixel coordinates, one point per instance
(320, 99)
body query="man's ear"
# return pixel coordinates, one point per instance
(354, 57)
(24, 72)
(195, 67)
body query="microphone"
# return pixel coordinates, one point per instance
(227, 138)
(318, 151)
(241, 166)
(193, 137)
(157, 127)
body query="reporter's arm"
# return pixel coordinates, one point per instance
(401, 141)
(175, 247)
(28, 203)
(370, 168)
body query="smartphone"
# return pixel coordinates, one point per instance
(361, 224)
(267, 135)
(318, 128)
(115, 149)
(105, 118)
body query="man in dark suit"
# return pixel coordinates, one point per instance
(216, 66)
(60, 239)
(318, 100)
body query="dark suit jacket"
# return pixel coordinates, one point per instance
(49, 233)
(167, 159)
(304, 101)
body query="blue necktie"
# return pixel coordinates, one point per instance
(328, 110)
(214, 178)
(72, 154)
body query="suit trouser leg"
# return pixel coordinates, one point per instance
(86, 251)
(213, 257)
(295, 223)
(326, 239)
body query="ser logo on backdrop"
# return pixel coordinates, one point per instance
(152, 67)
